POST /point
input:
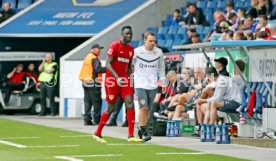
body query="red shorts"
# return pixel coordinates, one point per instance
(113, 91)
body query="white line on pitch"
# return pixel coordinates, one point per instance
(73, 158)
(96, 155)
(17, 138)
(53, 146)
(68, 158)
(128, 144)
(12, 144)
(75, 136)
(187, 153)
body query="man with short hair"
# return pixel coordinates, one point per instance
(48, 78)
(221, 64)
(15, 82)
(148, 63)
(91, 77)
(6, 13)
(227, 96)
(118, 84)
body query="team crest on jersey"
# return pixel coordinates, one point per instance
(142, 102)
(111, 97)
(154, 53)
(130, 54)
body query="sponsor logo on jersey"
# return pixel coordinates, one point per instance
(141, 65)
(125, 60)
(110, 51)
(111, 97)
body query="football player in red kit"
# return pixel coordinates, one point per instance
(118, 82)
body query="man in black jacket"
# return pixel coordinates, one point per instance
(195, 17)
(7, 13)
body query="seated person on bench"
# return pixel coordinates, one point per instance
(16, 81)
(227, 96)
(34, 83)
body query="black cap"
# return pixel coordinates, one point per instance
(96, 46)
(222, 60)
(195, 35)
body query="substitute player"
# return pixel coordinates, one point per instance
(117, 82)
(148, 63)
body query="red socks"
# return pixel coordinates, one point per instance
(102, 123)
(131, 121)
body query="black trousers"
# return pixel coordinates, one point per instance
(12, 87)
(50, 91)
(92, 97)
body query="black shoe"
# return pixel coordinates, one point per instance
(125, 124)
(195, 135)
(146, 138)
(112, 123)
(42, 114)
(140, 134)
(87, 123)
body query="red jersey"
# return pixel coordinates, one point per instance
(34, 75)
(17, 77)
(271, 38)
(122, 57)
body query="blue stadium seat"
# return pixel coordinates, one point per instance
(168, 43)
(12, 2)
(169, 17)
(239, 4)
(153, 29)
(166, 23)
(206, 30)
(163, 30)
(211, 4)
(168, 37)
(247, 4)
(177, 42)
(134, 43)
(221, 4)
(199, 29)
(201, 3)
(160, 37)
(173, 30)
(141, 42)
(177, 36)
(182, 31)
(24, 3)
(161, 43)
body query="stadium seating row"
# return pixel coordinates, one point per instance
(17, 4)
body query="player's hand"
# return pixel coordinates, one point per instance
(200, 101)
(120, 82)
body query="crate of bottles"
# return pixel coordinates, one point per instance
(174, 128)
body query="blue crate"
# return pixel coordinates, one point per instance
(173, 128)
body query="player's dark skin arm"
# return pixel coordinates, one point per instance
(109, 67)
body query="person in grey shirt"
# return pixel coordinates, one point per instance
(227, 96)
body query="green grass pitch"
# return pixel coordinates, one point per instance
(81, 148)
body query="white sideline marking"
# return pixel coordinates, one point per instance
(75, 136)
(128, 144)
(15, 138)
(53, 146)
(192, 153)
(13, 144)
(73, 158)
(68, 158)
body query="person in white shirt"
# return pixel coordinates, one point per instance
(149, 67)
(227, 96)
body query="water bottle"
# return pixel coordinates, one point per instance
(176, 128)
(225, 135)
(171, 129)
(203, 133)
(168, 129)
(218, 134)
(207, 132)
(212, 133)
